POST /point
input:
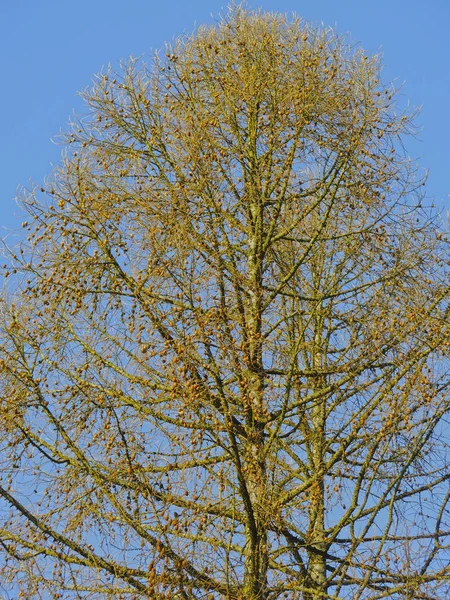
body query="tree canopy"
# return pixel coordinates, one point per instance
(224, 356)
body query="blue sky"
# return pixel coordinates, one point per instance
(50, 49)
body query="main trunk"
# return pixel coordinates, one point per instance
(316, 587)
(256, 560)
(256, 556)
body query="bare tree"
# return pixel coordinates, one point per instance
(225, 362)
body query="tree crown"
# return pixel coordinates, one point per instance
(231, 333)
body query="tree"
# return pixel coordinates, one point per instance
(225, 361)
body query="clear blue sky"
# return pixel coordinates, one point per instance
(50, 49)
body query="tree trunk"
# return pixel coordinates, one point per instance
(256, 560)
(316, 577)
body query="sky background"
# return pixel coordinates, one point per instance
(50, 49)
